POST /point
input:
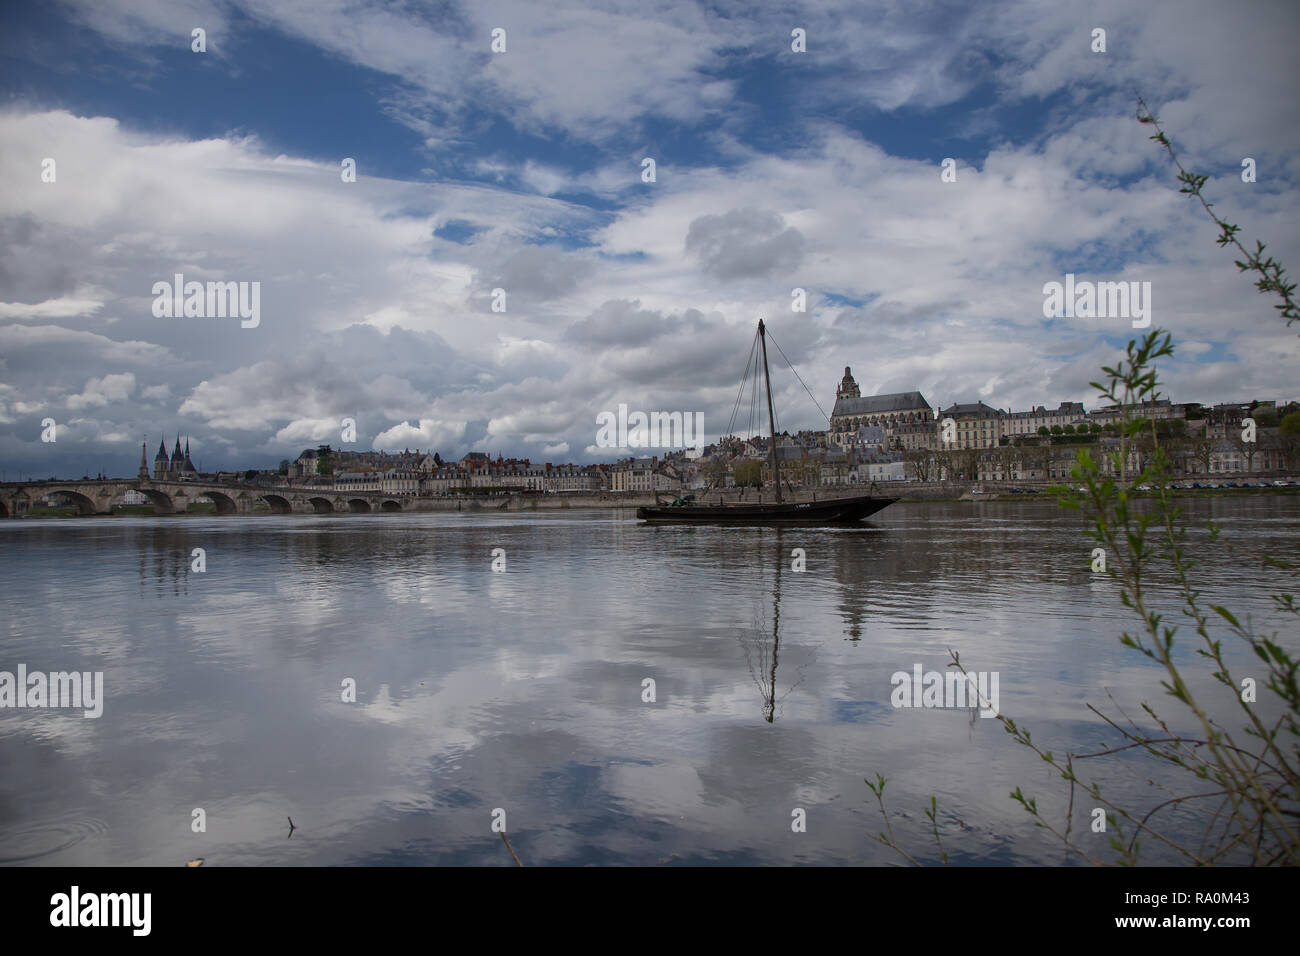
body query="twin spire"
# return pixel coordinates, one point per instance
(176, 464)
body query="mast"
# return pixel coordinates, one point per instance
(771, 418)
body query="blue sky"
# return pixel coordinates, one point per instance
(522, 170)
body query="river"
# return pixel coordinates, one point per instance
(612, 694)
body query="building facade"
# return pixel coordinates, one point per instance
(852, 412)
(977, 425)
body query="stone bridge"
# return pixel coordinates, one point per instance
(17, 499)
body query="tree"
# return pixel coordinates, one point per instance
(716, 472)
(1044, 430)
(747, 474)
(1068, 429)
(1265, 415)
(1289, 438)
(922, 462)
(1008, 461)
(1058, 430)
(963, 463)
(284, 466)
(1248, 448)
(1202, 452)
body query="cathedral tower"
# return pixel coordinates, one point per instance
(848, 388)
(161, 466)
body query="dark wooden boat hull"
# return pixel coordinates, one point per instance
(831, 511)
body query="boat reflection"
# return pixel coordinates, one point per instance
(762, 646)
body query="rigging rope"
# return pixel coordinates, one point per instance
(755, 413)
(743, 378)
(798, 376)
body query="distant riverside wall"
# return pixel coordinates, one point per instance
(530, 502)
(550, 502)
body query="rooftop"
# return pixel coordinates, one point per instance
(878, 404)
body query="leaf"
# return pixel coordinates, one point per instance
(1224, 613)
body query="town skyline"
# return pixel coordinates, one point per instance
(1061, 414)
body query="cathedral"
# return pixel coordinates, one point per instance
(852, 411)
(178, 467)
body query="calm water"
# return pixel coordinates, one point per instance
(522, 690)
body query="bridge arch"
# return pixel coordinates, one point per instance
(278, 504)
(391, 505)
(359, 506)
(323, 506)
(225, 504)
(85, 505)
(4, 508)
(161, 501)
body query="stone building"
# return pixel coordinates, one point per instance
(1159, 410)
(978, 425)
(1028, 423)
(852, 412)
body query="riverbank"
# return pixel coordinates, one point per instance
(932, 493)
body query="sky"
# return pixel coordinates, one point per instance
(523, 169)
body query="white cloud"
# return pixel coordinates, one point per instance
(101, 391)
(427, 434)
(61, 308)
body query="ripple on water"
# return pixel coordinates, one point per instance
(40, 839)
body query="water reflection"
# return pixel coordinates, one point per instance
(163, 561)
(522, 689)
(762, 646)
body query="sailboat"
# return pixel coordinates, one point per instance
(832, 511)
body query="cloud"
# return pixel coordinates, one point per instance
(61, 308)
(156, 393)
(101, 391)
(534, 274)
(427, 434)
(309, 430)
(745, 243)
(620, 322)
